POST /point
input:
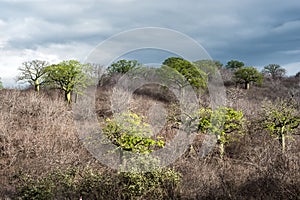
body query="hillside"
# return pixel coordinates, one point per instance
(38, 136)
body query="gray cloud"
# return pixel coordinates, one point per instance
(256, 32)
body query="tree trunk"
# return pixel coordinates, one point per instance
(282, 139)
(221, 150)
(68, 97)
(247, 86)
(221, 146)
(36, 86)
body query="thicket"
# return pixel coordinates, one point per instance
(42, 157)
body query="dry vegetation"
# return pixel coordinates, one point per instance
(38, 136)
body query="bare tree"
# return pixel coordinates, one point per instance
(33, 72)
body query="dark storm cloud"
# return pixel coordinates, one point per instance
(256, 32)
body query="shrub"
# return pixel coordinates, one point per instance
(280, 118)
(129, 132)
(92, 184)
(157, 183)
(223, 123)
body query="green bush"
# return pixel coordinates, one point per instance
(57, 184)
(129, 132)
(280, 119)
(139, 184)
(91, 184)
(223, 123)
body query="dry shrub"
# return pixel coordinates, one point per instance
(37, 135)
(254, 166)
(257, 172)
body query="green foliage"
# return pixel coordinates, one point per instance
(122, 66)
(280, 118)
(193, 74)
(130, 133)
(223, 122)
(274, 71)
(246, 75)
(93, 184)
(209, 66)
(139, 184)
(234, 65)
(69, 76)
(33, 72)
(1, 85)
(57, 183)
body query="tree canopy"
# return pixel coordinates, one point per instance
(274, 71)
(122, 66)
(234, 65)
(69, 76)
(209, 66)
(193, 74)
(33, 72)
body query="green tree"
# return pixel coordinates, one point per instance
(130, 133)
(33, 72)
(122, 66)
(1, 85)
(234, 65)
(247, 75)
(280, 119)
(209, 66)
(193, 74)
(223, 122)
(69, 76)
(274, 71)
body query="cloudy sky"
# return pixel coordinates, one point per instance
(254, 31)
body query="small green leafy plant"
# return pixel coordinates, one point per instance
(223, 122)
(129, 132)
(280, 119)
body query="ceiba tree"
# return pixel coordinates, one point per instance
(247, 75)
(33, 72)
(69, 76)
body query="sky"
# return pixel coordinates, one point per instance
(253, 31)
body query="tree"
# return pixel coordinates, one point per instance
(129, 132)
(246, 75)
(223, 123)
(234, 65)
(280, 119)
(1, 85)
(122, 66)
(274, 71)
(193, 74)
(33, 72)
(209, 66)
(69, 76)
